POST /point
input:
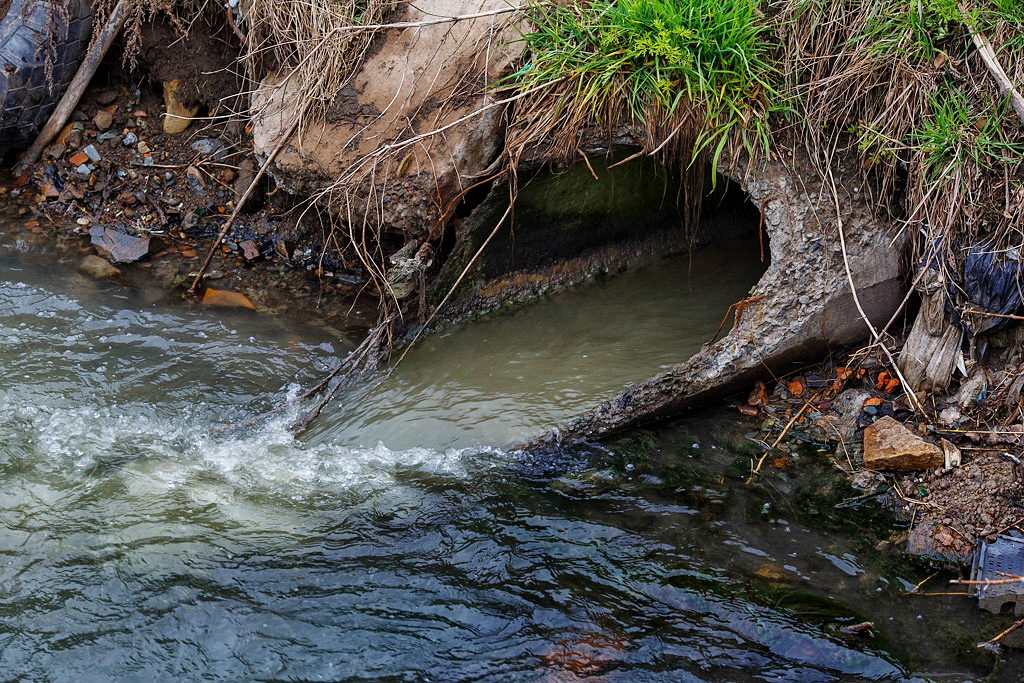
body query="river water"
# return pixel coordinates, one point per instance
(397, 538)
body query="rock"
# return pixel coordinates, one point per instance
(84, 169)
(217, 297)
(130, 139)
(949, 415)
(103, 120)
(91, 152)
(249, 250)
(246, 174)
(195, 181)
(206, 146)
(56, 150)
(758, 395)
(105, 97)
(117, 246)
(96, 267)
(890, 446)
(48, 190)
(74, 139)
(951, 455)
(934, 539)
(179, 116)
(78, 158)
(143, 148)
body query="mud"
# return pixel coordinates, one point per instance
(203, 62)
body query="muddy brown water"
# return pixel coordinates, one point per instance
(398, 539)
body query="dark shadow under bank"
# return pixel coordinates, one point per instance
(567, 227)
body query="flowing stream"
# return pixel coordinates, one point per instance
(398, 538)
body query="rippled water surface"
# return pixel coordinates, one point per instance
(397, 539)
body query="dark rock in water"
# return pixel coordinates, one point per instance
(118, 246)
(96, 267)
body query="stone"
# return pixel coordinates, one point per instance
(56, 150)
(118, 246)
(179, 115)
(105, 97)
(74, 139)
(249, 250)
(84, 169)
(143, 148)
(226, 299)
(758, 395)
(96, 267)
(103, 120)
(891, 447)
(206, 146)
(78, 158)
(130, 139)
(91, 152)
(49, 191)
(246, 175)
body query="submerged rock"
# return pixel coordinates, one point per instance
(890, 446)
(225, 299)
(96, 267)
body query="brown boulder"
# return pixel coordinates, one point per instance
(890, 446)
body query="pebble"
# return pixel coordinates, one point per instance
(83, 221)
(91, 152)
(207, 146)
(84, 169)
(109, 135)
(130, 139)
(143, 148)
(103, 120)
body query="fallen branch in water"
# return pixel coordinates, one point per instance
(994, 641)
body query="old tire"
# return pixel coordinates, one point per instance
(27, 96)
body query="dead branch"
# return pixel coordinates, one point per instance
(994, 641)
(995, 69)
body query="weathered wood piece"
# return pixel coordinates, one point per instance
(931, 351)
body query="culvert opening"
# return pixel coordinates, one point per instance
(589, 220)
(537, 365)
(626, 216)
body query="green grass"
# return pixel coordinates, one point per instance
(653, 57)
(956, 137)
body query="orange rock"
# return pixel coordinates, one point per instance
(79, 158)
(747, 410)
(759, 395)
(796, 387)
(62, 137)
(217, 297)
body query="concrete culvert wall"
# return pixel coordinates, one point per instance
(802, 306)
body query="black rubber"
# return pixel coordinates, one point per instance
(26, 98)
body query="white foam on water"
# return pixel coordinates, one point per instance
(182, 452)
